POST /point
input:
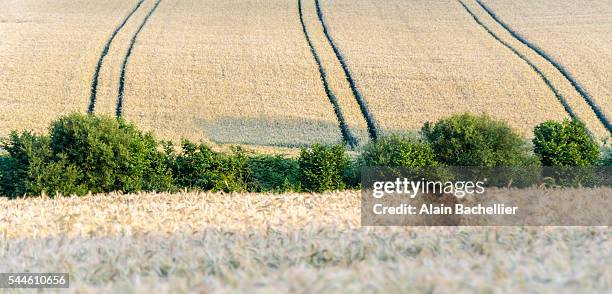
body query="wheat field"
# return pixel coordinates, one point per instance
(438, 60)
(231, 72)
(577, 35)
(283, 74)
(201, 242)
(48, 51)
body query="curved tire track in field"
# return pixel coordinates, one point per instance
(347, 136)
(119, 110)
(96, 77)
(560, 97)
(372, 128)
(587, 97)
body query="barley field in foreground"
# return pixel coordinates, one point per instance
(199, 242)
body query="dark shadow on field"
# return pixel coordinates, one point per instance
(273, 132)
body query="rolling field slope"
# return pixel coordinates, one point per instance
(421, 60)
(576, 35)
(568, 91)
(288, 73)
(48, 53)
(231, 72)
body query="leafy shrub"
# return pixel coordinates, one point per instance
(468, 140)
(398, 151)
(273, 174)
(29, 169)
(352, 174)
(565, 143)
(322, 167)
(84, 153)
(400, 156)
(110, 154)
(606, 158)
(198, 166)
(7, 165)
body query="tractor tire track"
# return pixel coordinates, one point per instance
(568, 76)
(120, 95)
(371, 123)
(347, 136)
(96, 77)
(541, 74)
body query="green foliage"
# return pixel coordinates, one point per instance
(565, 143)
(110, 154)
(198, 166)
(606, 156)
(84, 153)
(322, 167)
(401, 156)
(468, 140)
(396, 151)
(30, 170)
(6, 166)
(352, 174)
(273, 174)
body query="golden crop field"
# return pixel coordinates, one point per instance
(229, 71)
(277, 73)
(578, 35)
(48, 53)
(421, 60)
(285, 243)
(557, 83)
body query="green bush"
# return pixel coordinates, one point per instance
(30, 170)
(322, 167)
(400, 156)
(468, 140)
(110, 154)
(606, 158)
(352, 175)
(396, 151)
(198, 166)
(6, 163)
(273, 174)
(565, 143)
(84, 153)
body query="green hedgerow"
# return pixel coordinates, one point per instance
(606, 158)
(110, 154)
(83, 153)
(29, 168)
(198, 166)
(469, 140)
(397, 151)
(565, 143)
(273, 173)
(322, 167)
(399, 155)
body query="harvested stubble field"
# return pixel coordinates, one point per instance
(284, 243)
